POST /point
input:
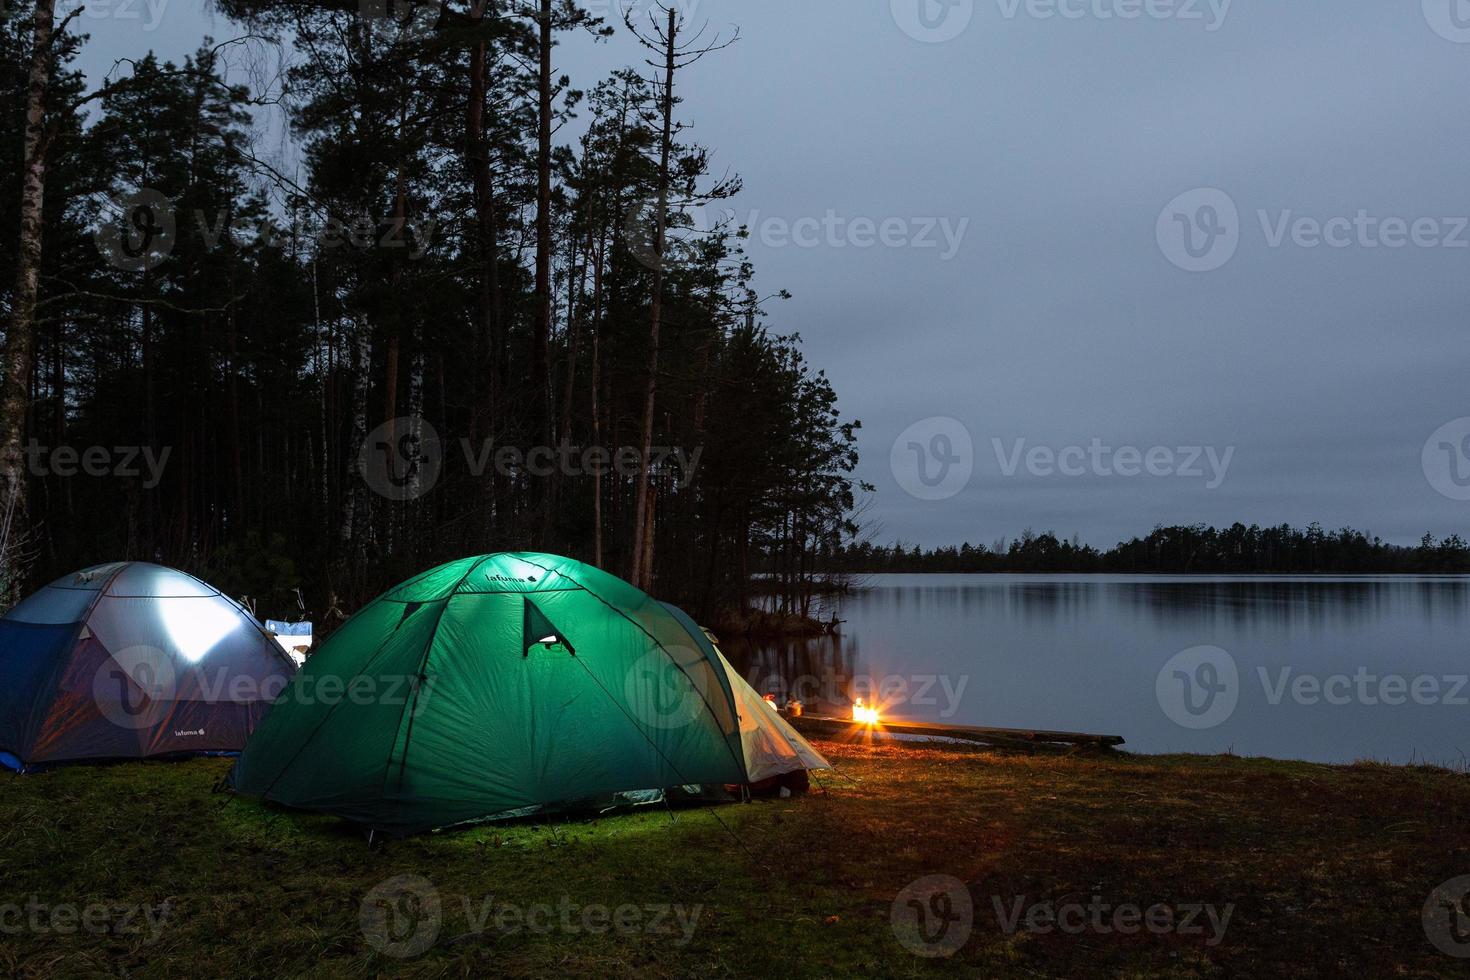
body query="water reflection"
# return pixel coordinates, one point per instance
(1084, 652)
(818, 671)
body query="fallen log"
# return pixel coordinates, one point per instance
(1000, 737)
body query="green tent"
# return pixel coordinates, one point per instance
(497, 685)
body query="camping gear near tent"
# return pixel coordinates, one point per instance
(294, 638)
(506, 685)
(128, 661)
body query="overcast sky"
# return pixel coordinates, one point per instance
(981, 209)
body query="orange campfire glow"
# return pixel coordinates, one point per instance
(863, 713)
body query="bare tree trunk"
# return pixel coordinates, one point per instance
(476, 157)
(326, 372)
(646, 545)
(415, 421)
(641, 575)
(232, 403)
(477, 154)
(20, 338)
(577, 283)
(354, 500)
(395, 333)
(576, 286)
(596, 407)
(543, 232)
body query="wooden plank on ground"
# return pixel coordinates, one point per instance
(1006, 737)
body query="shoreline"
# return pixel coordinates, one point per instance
(1194, 575)
(762, 625)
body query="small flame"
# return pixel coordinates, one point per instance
(863, 713)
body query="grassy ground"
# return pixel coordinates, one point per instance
(1322, 871)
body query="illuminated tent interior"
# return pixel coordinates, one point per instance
(131, 660)
(536, 683)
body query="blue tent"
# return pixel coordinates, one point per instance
(128, 661)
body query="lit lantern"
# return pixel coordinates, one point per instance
(864, 714)
(770, 699)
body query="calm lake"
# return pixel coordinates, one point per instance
(1320, 668)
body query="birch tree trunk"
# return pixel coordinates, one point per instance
(20, 338)
(595, 406)
(354, 500)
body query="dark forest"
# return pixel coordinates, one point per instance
(476, 309)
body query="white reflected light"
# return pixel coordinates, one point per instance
(195, 625)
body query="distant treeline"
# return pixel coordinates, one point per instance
(1198, 549)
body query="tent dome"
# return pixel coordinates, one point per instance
(131, 660)
(497, 684)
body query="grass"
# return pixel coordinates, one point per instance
(1325, 871)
